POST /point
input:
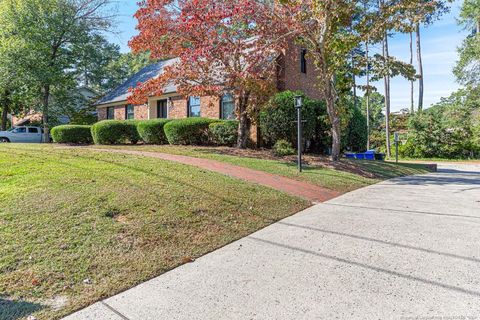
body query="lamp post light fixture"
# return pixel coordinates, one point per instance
(298, 106)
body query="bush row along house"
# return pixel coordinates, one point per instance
(294, 72)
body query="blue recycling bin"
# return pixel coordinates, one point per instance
(370, 155)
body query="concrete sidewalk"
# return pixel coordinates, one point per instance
(408, 248)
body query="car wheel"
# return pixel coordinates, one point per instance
(4, 140)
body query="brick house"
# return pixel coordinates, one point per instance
(294, 72)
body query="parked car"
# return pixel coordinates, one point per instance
(23, 134)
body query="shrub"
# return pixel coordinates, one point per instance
(278, 120)
(72, 134)
(356, 133)
(152, 131)
(115, 132)
(224, 133)
(283, 148)
(190, 131)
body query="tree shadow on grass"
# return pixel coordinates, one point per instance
(17, 309)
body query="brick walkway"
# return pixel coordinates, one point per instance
(293, 187)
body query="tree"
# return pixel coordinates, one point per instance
(376, 102)
(356, 135)
(95, 55)
(467, 69)
(425, 15)
(448, 129)
(117, 71)
(50, 31)
(330, 30)
(221, 46)
(326, 30)
(15, 91)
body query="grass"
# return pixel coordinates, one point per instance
(453, 160)
(347, 176)
(77, 226)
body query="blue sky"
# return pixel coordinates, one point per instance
(440, 42)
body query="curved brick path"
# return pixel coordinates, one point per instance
(300, 189)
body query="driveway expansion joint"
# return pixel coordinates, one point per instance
(114, 310)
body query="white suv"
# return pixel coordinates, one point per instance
(22, 135)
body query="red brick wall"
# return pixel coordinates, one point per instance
(177, 108)
(119, 113)
(291, 77)
(209, 107)
(141, 112)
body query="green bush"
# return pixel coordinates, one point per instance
(190, 131)
(356, 133)
(224, 133)
(115, 132)
(278, 120)
(283, 148)
(72, 134)
(152, 131)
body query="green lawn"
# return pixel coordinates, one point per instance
(77, 225)
(348, 176)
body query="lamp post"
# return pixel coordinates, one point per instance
(298, 106)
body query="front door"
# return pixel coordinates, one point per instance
(162, 109)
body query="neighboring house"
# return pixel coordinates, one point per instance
(61, 108)
(294, 73)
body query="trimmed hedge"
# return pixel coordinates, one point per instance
(224, 133)
(190, 131)
(115, 132)
(72, 134)
(152, 132)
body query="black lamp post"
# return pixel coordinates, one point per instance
(298, 106)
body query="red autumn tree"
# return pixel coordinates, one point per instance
(221, 46)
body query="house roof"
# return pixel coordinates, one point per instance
(121, 93)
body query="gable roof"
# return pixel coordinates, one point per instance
(121, 93)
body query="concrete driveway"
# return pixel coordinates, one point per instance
(408, 248)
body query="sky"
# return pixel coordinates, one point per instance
(439, 48)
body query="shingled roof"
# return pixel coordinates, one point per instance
(152, 71)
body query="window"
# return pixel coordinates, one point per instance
(20, 130)
(162, 109)
(32, 130)
(129, 112)
(194, 107)
(228, 107)
(303, 61)
(110, 113)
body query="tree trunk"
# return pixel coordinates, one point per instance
(336, 139)
(4, 117)
(420, 69)
(387, 95)
(412, 87)
(5, 100)
(354, 79)
(244, 122)
(334, 120)
(46, 98)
